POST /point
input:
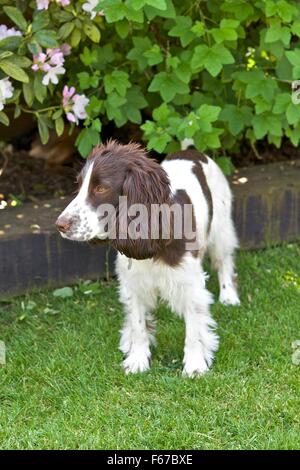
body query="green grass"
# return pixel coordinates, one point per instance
(63, 387)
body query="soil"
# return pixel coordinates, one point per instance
(24, 178)
(30, 179)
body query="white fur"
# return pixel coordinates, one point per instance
(85, 224)
(142, 282)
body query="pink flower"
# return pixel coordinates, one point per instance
(56, 56)
(6, 32)
(51, 75)
(42, 4)
(6, 91)
(67, 94)
(65, 49)
(38, 61)
(74, 104)
(51, 63)
(89, 6)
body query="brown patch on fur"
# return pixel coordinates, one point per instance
(175, 249)
(125, 170)
(198, 171)
(190, 155)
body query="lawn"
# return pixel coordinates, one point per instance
(63, 387)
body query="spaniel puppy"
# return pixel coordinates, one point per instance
(119, 186)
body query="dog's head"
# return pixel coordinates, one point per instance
(114, 179)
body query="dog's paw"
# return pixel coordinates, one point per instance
(135, 362)
(229, 296)
(194, 366)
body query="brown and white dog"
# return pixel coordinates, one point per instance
(118, 188)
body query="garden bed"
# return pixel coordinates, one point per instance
(266, 212)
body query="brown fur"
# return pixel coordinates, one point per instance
(125, 170)
(198, 171)
(190, 154)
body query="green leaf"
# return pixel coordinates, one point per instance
(57, 114)
(117, 80)
(159, 4)
(236, 118)
(168, 85)
(122, 28)
(14, 71)
(266, 123)
(295, 28)
(293, 135)
(89, 56)
(92, 32)
(276, 32)
(159, 142)
(183, 72)
(75, 37)
(46, 38)
(86, 140)
(114, 107)
(183, 30)
(40, 90)
(66, 29)
(4, 119)
(257, 84)
(20, 61)
(94, 107)
(43, 128)
(225, 164)
(86, 81)
(152, 11)
(293, 114)
(211, 58)
(33, 47)
(59, 126)
(161, 113)
(283, 9)
(136, 54)
(281, 103)
(16, 16)
(63, 292)
(11, 43)
(28, 93)
(226, 31)
(153, 55)
(40, 21)
(208, 140)
(239, 8)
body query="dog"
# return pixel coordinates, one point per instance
(164, 265)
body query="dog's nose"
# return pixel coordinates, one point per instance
(63, 224)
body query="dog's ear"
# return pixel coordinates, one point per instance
(145, 184)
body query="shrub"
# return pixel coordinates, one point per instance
(215, 71)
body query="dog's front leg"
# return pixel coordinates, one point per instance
(201, 341)
(136, 336)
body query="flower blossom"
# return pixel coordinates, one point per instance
(74, 105)
(89, 6)
(44, 4)
(51, 63)
(6, 91)
(6, 32)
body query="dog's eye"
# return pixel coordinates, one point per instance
(100, 189)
